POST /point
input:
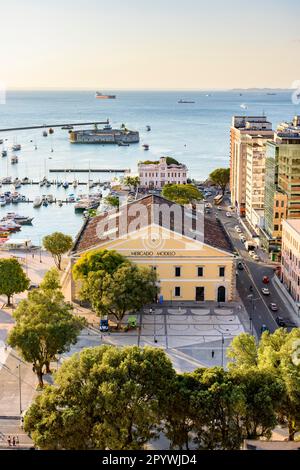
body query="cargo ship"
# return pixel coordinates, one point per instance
(101, 96)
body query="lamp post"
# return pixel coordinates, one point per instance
(20, 387)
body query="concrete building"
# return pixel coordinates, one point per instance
(255, 181)
(155, 174)
(190, 252)
(282, 182)
(290, 259)
(243, 129)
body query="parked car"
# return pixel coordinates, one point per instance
(103, 325)
(273, 307)
(265, 291)
(238, 230)
(280, 321)
(240, 266)
(266, 280)
(252, 253)
(228, 214)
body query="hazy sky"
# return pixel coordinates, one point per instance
(156, 44)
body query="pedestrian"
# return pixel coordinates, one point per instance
(8, 440)
(213, 354)
(13, 441)
(17, 440)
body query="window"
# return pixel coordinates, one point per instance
(177, 291)
(200, 271)
(177, 271)
(222, 271)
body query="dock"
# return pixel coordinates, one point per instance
(91, 170)
(43, 126)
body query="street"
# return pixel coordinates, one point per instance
(256, 303)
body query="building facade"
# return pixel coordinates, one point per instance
(192, 264)
(243, 129)
(290, 260)
(154, 175)
(282, 182)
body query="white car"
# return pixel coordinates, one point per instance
(228, 214)
(252, 253)
(255, 257)
(265, 291)
(238, 230)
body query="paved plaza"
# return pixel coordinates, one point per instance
(191, 336)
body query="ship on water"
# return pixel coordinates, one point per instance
(102, 96)
(107, 135)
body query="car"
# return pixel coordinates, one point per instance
(238, 230)
(228, 214)
(33, 286)
(251, 252)
(256, 257)
(273, 307)
(264, 328)
(240, 266)
(266, 280)
(208, 193)
(280, 321)
(243, 239)
(265, 291)
(103, 325)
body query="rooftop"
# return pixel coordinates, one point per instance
(142, 213)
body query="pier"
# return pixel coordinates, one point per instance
(43, 126)
(89, 170)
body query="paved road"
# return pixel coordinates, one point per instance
(258, 308)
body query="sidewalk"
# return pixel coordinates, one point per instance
(286, 298)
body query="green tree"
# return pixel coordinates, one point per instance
(276, 353)
(243, 352)
(13, 280)
(45, 326)
(97, 260)
(221, 177)
(182, 193)
(263, 394)
(57, 244)
(112, 201)
(104, 398)
(132, 181)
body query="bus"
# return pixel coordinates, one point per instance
(218, 199)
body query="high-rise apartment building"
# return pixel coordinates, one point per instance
(243, 129)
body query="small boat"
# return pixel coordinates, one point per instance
(59, 203)
(104, 97)
(185, 102)
(123, 144)
(25, 180)
(45, 133)
(65, 185)
(49, 198)
(71, 198)
(67, 127)
(18, 185)
(2, 201)
(10, 226)
(1, 141)
(45, 203)
(6, 180)
(14, 159)
(4, 153)
(48, 184)
(16, 147)
(148, 128)
(59, 183)
(51, 131)
(244, 106)
(146, 147)
(37, 202)
(75, 184)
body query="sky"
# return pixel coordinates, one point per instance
(149, 44)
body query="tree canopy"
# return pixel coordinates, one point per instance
(132, 181)
(112, 201)
(113, 285)
(182, 193)
(221, 177)
(57, 244)
(275, 354)
(103, 398)
(13, 280)
(45, 326)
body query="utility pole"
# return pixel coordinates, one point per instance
(20, 388)
(222, 350)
